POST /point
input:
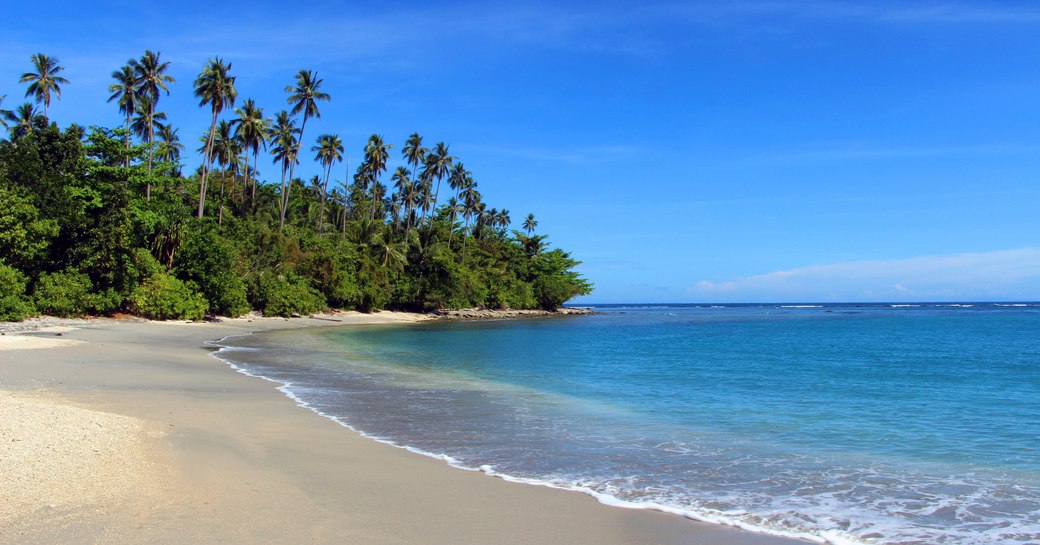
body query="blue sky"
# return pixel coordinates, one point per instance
(684, 151)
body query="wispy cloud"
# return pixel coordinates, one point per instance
(1004, 274)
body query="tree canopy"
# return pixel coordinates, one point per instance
(103, 220)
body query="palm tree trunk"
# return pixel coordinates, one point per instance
(151, 150)
(126, 160)
(292, 164)
(324, 189)
(245, 185)
(205, 165)
(346, 190)
(252, 194)
(220, 207)
(464, 237)
(282, 201)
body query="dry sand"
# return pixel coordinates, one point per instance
(129, 432)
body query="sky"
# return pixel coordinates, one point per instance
(744, 151)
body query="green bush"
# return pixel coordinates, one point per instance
(164, 297)
(209, 262)
(287, 295)
(15, 306)
(66, 294)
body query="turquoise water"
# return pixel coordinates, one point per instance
(838, 423)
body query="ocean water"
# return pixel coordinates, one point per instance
(899, 424)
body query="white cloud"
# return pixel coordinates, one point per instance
(998, 275)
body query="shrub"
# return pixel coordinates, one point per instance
(15, 306)
(65, 294)
(287, 295)
(208, 261)
(164, 297)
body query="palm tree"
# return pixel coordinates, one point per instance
(403, 190)
(438, 164)
(45, 80)
(170, 147)
(377, 153)
(530, 223)
(23, 121)
(151, 77)
(329, 150)
(253, 130)
(304, 97)
(471, 206)
(215, 86)
(144, 125)
(413, 152)
(456, 180)
(125, 91)
(226, 150)
(284, 137)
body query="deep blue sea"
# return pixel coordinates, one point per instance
(908, 424)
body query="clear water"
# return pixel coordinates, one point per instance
(847, 424)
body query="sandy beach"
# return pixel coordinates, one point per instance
(128, 431)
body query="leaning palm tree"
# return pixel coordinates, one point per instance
(215, 86)
(125, 91)
(530, 223)
(22, 121)
(329, 150)
(253, 130)
(45, 80)
(304, 97)
(170, 148)
(144, 125)
(284, 136)
(151, 77)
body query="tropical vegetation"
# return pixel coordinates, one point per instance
(102, 220)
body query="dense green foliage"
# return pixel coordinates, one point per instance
(96, 221)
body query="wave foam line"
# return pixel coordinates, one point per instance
(828, 537)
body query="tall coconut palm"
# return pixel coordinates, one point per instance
(253, 130)
(23, 121)
(45, 80)
(215, 87)
(456, 180)
(151, 77)
(346, 194)
(144, 125)
(530, 223)
(438, 165)
(284, 135)
(303, 97)
(377, 153)
(125, 91)
(226, 150)
(329, 150)
(471, 206)
(403, 190)
(170, 148)
(414, 153)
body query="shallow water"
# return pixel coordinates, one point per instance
(844, 423)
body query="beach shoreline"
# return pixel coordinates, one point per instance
(207, 455)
